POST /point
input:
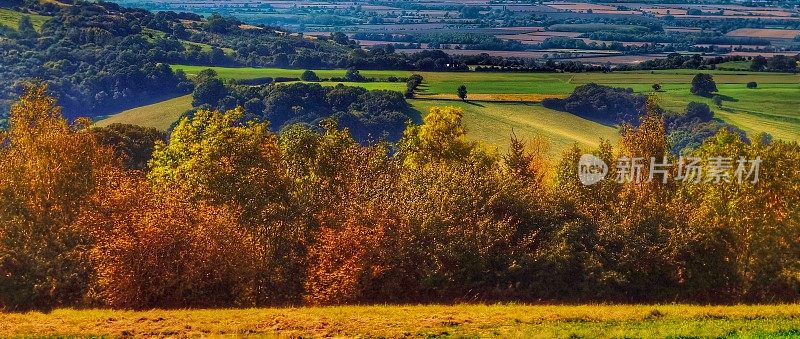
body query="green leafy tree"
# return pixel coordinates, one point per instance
(759, 64)
(703, 85)
(309, 75)
(462, 92)
(442, 137)
(354, 75)
(718, 100)
(25, 27)
(209, 89)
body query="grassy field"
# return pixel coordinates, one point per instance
(502, 102)
(771, 108)
(11, 19)
(735, 65)
(159, 115)
(494, 123)
(652, 321)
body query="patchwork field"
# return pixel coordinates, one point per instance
(501, 320)
(500, 103)
(765, 33)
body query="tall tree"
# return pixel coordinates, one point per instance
(49, 170)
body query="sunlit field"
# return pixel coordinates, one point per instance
(654, 321)
(160, 115)
(496, 122)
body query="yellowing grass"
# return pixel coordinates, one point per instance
(160, 115)
(499, 320)
(495, 122)
(512, 97)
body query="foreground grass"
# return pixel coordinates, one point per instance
(427, 321)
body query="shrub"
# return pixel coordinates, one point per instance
(157, 250)
(309, 75)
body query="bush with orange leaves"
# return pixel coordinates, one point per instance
(159, 250)
(357, 261)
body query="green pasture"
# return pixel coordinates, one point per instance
(159, 115)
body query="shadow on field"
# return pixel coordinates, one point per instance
(727, 98)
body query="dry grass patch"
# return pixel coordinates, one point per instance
(418, 320)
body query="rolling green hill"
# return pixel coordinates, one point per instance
(495, 122)
(159, 115)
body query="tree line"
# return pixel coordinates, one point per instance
(368, 115)
(229, 213)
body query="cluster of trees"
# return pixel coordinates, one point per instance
(100, 58)
(682, 39)
(369, 115)
(93, 60)
(777, 63)
(478, 41)
(412, 84)
(532, 65)
(677, 60)
(703, 85)
(232, 214)
(610, 105)
(685, 130)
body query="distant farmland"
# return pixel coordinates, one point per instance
(508, 100)
(765, 33)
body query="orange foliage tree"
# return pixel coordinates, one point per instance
(49, 168)
(159, 250)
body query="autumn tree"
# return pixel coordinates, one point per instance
(749, 223)
(49, 169)
(212, 157)
(441, 138)
(155, 249)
